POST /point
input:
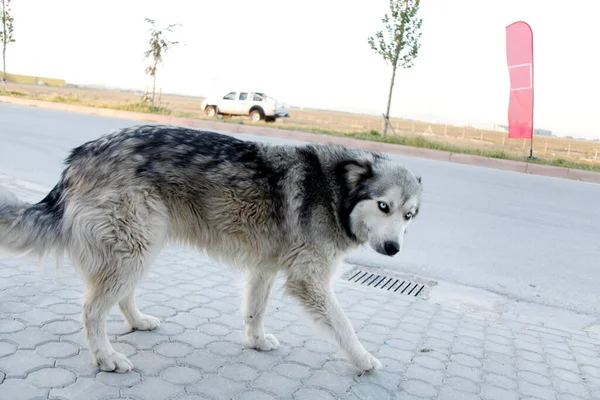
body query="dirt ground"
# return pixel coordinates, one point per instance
(311, 119)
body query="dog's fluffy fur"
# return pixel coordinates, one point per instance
(263, 208)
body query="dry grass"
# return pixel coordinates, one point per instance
(552, 150)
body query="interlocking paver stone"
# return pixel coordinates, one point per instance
(206, 360)
(491, 392)
(387, 380)
(363, 391)
(562, 396)
(428, 350)
(276, 384)
(143, 339)
(566, 375)
(7, 348)
(500, 381)
(31, 337)
(17, 389)
(51, 378)
(58, 350)
(424, 374)
(419, 388)
(240, 372)
(571, 388)
(154, 388)
(255, 395)
(448, 393)
(535, 367)
(22, 362)
(181, 375)
(570, 365)
(471, 373)
(174, 349)
(85, 389)
(461, 384)
(499, 368)
(217, 387)
(429, 361)
(62, 327)
(225, 348)
(312, 394)
(534, 378)
(11, 326)
(197, 339)
(542, 392)
(119, 380)
(150, 363)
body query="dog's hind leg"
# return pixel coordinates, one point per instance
(114, 280)
(113, 247)
(256, 297)
(101, 296)
(134, 317)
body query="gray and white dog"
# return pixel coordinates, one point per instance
(265, 209)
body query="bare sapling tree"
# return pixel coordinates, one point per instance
(159, 46)
(6, 34)
(399, 45)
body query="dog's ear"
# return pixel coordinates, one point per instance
(357, 170)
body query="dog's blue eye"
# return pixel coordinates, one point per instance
(408, 215)
(383, 207)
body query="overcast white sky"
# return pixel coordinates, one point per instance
(314, 53)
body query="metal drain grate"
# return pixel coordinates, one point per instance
(384, 282)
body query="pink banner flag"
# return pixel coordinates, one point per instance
(519, 55)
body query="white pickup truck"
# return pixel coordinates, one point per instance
(254, 104)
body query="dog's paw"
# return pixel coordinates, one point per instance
(114, 361)
(145, 323)
(269, 342)
(366, 362)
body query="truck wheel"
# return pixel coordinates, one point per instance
(210, 111)
(256, 115)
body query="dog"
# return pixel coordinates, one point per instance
(262, 208)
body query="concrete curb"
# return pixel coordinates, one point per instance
(507, 165)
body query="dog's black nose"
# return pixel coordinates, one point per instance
(391, 248)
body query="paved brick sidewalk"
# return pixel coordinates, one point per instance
(428, 350)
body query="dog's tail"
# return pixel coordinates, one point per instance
(32, 229)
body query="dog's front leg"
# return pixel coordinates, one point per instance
(322, 305)
(258, 290)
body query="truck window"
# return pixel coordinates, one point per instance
(230, 96)
(243, 96)
(258, 97)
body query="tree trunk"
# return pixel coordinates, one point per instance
(4, 46)
(4, 68)
(387, 113)
(153, 85)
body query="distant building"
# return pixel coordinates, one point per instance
(35, 80)
(536, 131)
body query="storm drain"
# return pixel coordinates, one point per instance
(387, 283)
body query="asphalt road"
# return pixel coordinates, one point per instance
(529, 237)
